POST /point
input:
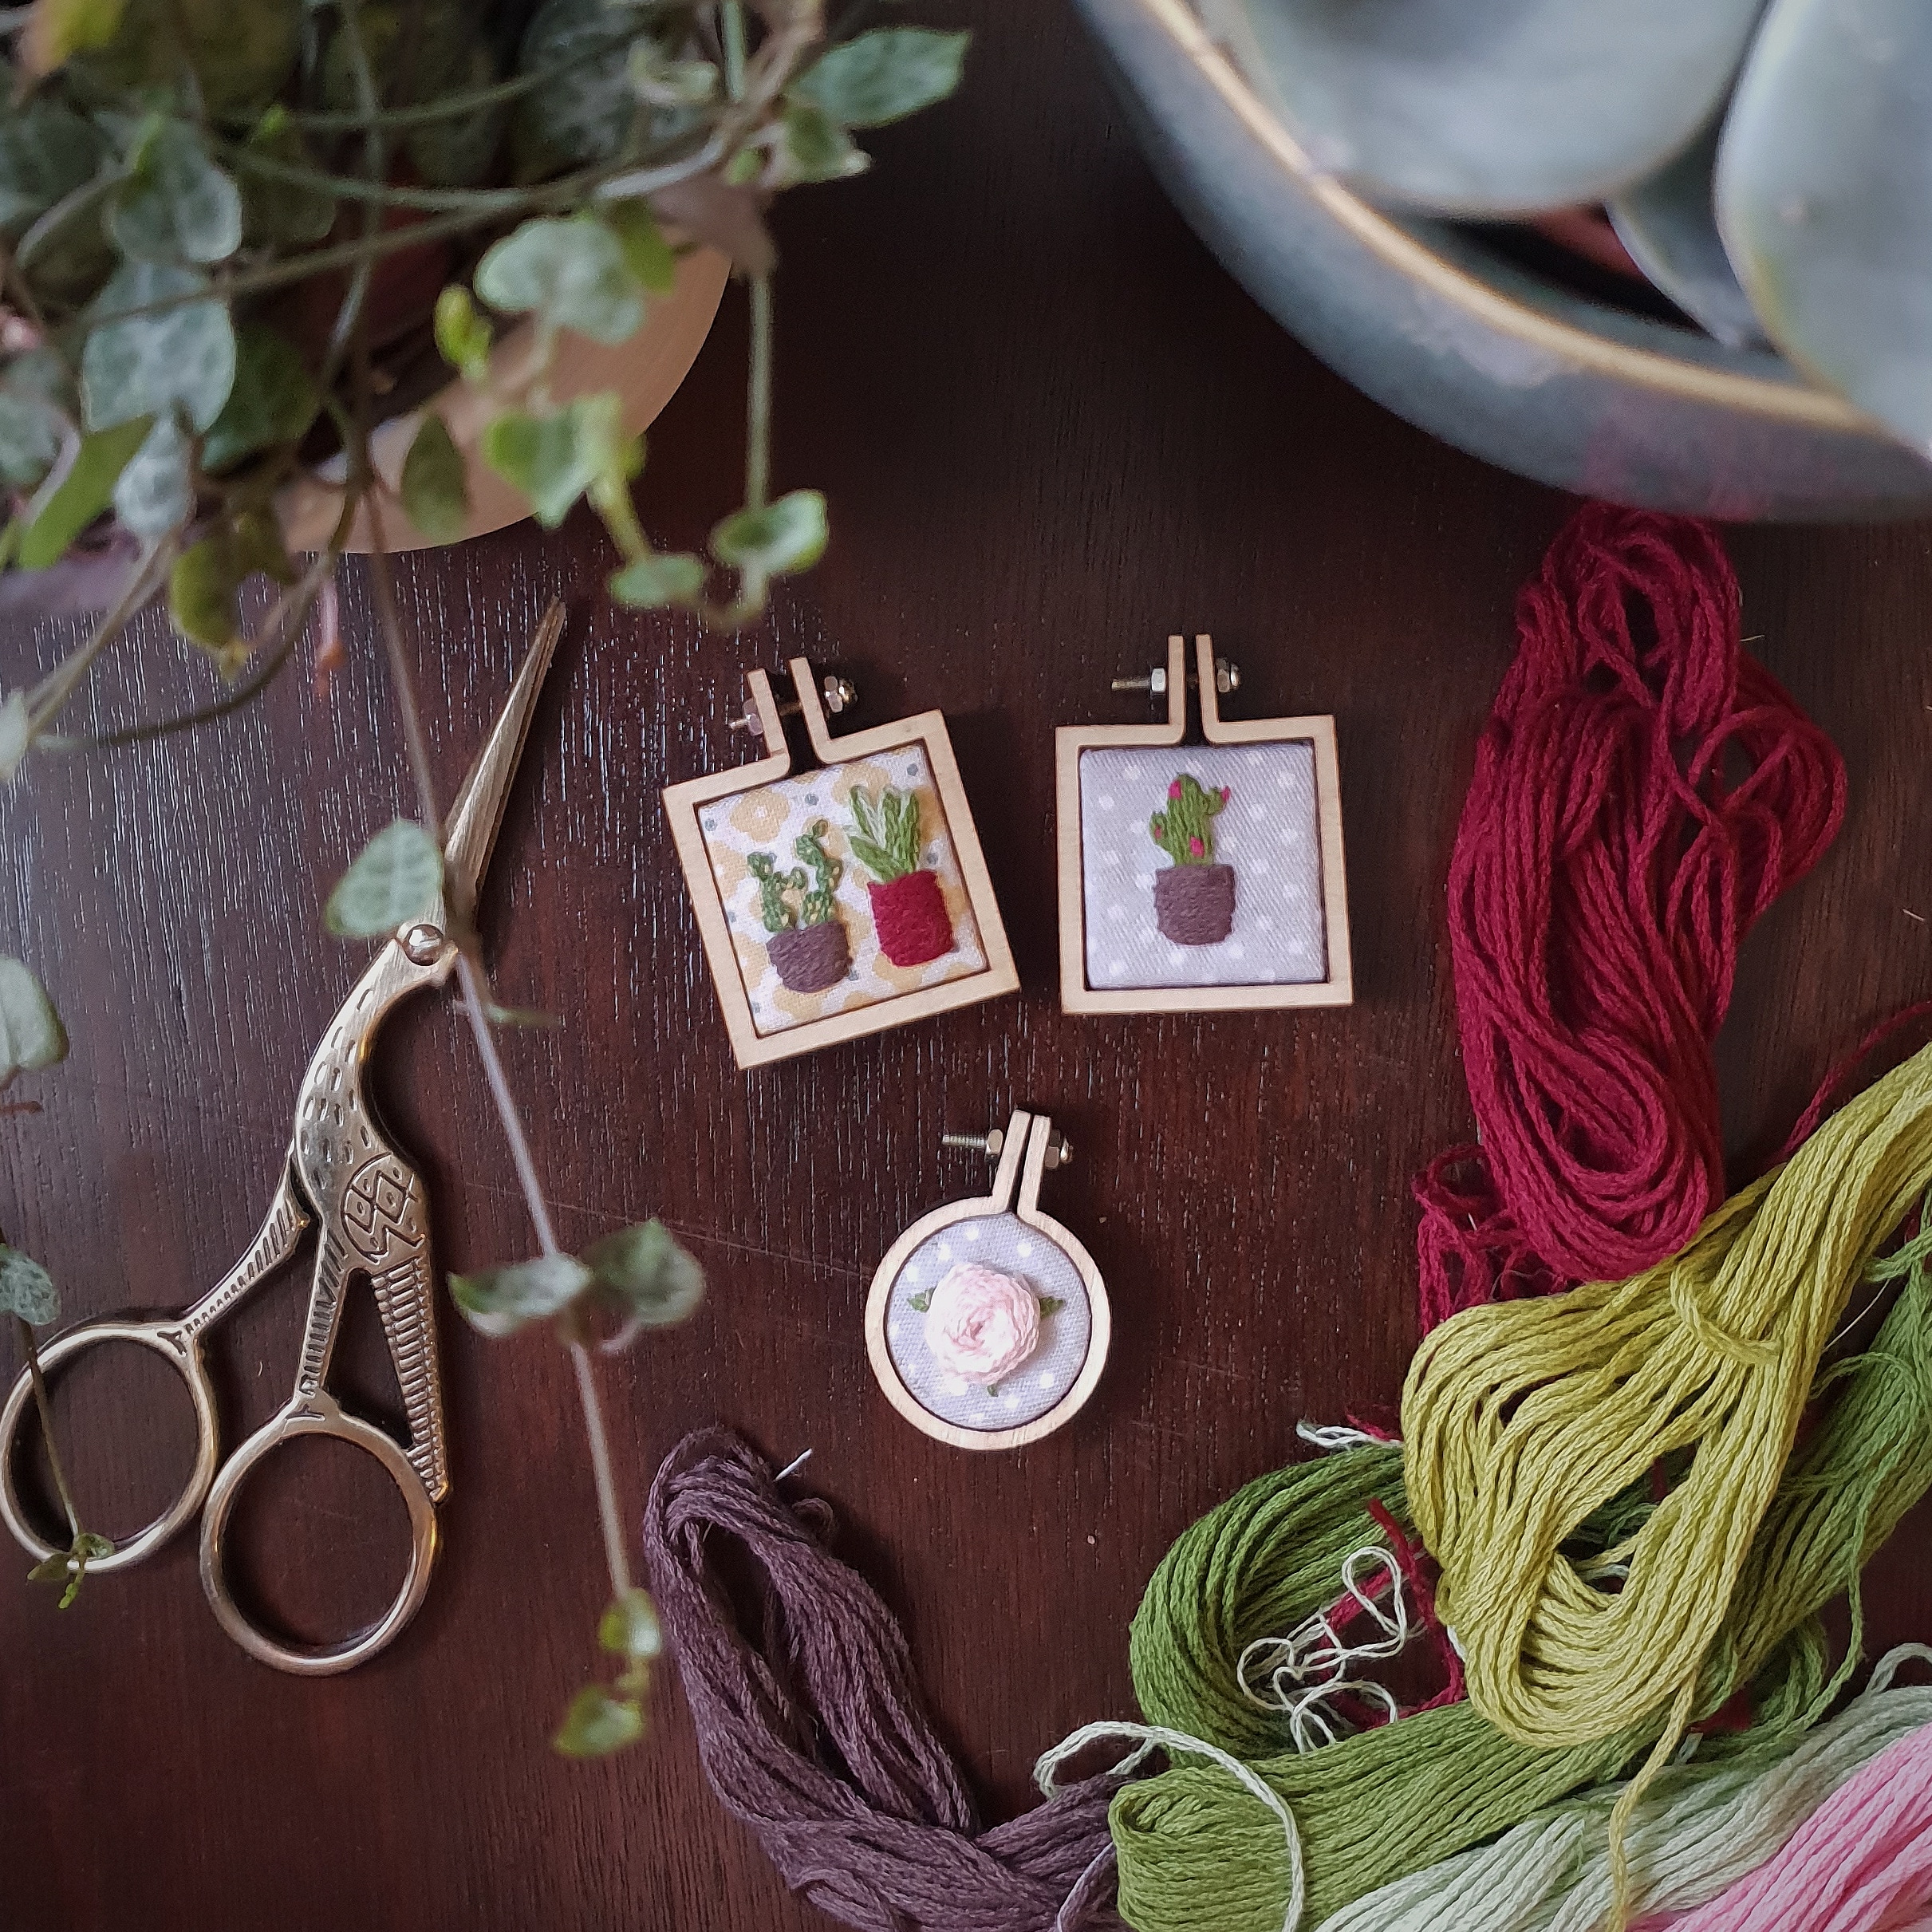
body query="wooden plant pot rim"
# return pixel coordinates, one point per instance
(645, 372)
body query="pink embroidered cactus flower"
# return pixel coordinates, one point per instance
(1195, 847)
(982, 1324)
(1226, 794)
(1173, 791)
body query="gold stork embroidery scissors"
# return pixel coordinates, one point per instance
(343, 1176)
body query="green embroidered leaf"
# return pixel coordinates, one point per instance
(276, 210)
(26, 1289)
(138, 364)
(201, 595)
(395, 878)
(572, 272)
(813, 147)
(273, 401)
(86, 489)
(598, 1723)
(435, 485)
(16, 728)
(922, 1301)
(499, 1301)
(554, 459)
(654, 1280)
(658, 579)
(629, 1626)
(155, 492)
(462, 337)
(650, 258)
(884, 75)
(176, 204)
(788, 535)
(46, 152)
(1050, 1304)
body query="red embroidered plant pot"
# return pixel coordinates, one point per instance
(910, 913)
(1193, 905)
(810, 958)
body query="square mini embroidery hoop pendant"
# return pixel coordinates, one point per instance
(1283, 942)
(1003, 1231)
(727, 824)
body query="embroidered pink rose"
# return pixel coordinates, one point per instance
(982, 1324)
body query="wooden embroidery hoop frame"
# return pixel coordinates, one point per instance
(684, 805)
(1023, 1161)
(1070, 740)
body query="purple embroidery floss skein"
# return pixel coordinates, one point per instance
(874, 1824)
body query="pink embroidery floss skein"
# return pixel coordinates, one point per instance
(1644, 790)
(816, 1736)
(1861, 1863)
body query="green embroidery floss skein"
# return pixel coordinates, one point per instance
(1195, 1849)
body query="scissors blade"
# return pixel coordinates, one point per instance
(469, 834)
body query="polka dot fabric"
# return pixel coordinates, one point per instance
(1267, 833)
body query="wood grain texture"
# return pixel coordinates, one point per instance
(1052, 431)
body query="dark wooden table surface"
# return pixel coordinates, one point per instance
(1051, 430)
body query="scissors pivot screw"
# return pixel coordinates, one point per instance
(423, 942)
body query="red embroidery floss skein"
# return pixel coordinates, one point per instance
(1643, 791)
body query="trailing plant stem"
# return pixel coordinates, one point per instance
(757, 399)
(45, 1409)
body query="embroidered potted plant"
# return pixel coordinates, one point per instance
(809, 950)
(907, 907)
(1193, 899)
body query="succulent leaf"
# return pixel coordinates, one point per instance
(1487, 106)
(1824, 199)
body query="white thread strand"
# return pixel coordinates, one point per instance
(1329, 1436)
(1155, 1737)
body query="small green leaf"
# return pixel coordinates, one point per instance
(273, 401)
(657, 579)
(572, 271)
(653, 1279)
(275, 210)
(86, 489)
(921, 1302)
(16, 729)
(815, 147)
(884, 76)
(155, 492)
(462, 337)
(258, 547)
(787, 535)
(46, 152)
(136, 365)
(26, 1289)
(35, 398)
(598, 1724)
(500, 1300)
(554, 459)
(435, 486)
(1051, 1304)
(585, 111)
(664, 82)
(60, 29)
(201, 594)
(69, 1565)
(176, 204)
(395, 877)
(647, 255)
(629, 1626)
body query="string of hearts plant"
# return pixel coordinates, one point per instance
(237, 235)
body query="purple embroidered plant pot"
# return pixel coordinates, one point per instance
(1193, 905)
(810, 958)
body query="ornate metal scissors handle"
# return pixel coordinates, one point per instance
(343, 1176)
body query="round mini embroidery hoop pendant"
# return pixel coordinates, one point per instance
(1005, 1231)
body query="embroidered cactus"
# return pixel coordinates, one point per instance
(816, 909)
(772, 887)
(1186, 831)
